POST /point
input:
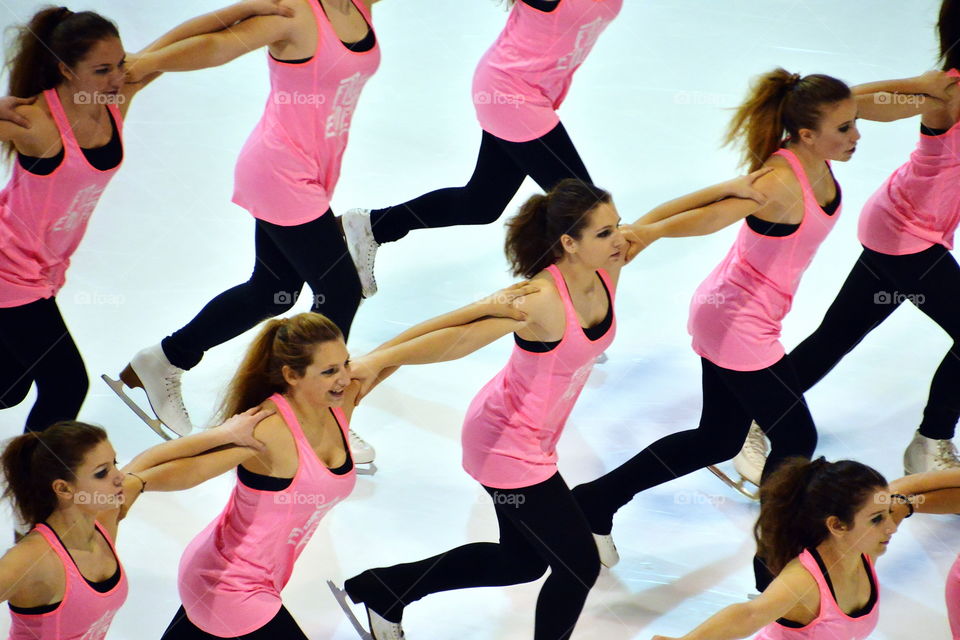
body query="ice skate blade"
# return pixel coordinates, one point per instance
(341, 597)
(741, 486)
(366, 469)
(153, 423)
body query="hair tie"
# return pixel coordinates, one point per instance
(794, 80)
(63, 12)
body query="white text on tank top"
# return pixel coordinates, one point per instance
(300, 536)
(344, 104)
(586, 39)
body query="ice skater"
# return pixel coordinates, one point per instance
(63, 579)
(518, 86)
(793, 126)
(285, 177)
(906, 230)
(570, 244)
(822, 527)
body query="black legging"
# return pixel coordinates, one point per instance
(281, 625)
(36, 346)
(541, 527)
(876, 286)
(731, 400)
(501, 169)
(286, 257)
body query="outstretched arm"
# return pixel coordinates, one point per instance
(139, 72)
(703, 212)
(744, 619)
(213, 48)
(933, 492)
(889, 100)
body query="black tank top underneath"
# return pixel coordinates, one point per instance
(593, 333)
(101, 158)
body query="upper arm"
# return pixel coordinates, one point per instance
(793, 588)
(20, 136)
(249, 35)
(23, 559)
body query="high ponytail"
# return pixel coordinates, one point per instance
(33, 461)
(533, 235)
(797, 499)
(281, 342)
(53, 35)
(780, 103)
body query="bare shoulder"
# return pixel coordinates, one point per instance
(31, 554)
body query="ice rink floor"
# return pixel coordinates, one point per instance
(647, 112)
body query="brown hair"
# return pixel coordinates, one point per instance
(533, 235)
(797, 499)
(780, 103)
(53, 35)
(33, 461)
(948, 32)
(287, 341)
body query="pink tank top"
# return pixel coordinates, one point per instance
(953, 598)
(511, 429)
(831, 622)
(43, 218)
(918, 206)
(232, 573)
(290, 164)
(84, 613)
(736, 313)
(523, 78)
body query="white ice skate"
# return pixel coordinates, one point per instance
(362, 247)
(926, 454)
(609, 556)
(361, 450)
(380, 629)
(748, 464)
(151, 371)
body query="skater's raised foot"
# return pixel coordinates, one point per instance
(160, 380)
(361, 450)
(752, 458)
(609, 556)
(358, 233)
(928, 454)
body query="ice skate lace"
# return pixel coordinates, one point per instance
(946, 455)
(356, 442)
(171, 383)
(755, 447)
